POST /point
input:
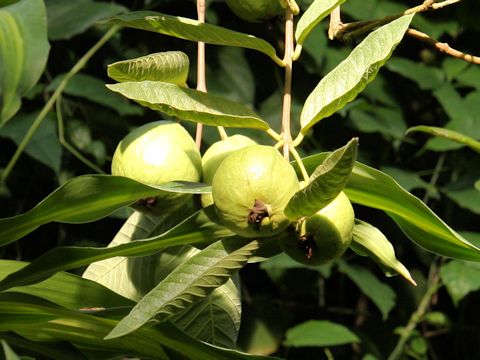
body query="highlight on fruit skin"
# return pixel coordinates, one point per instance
(251, 188)
(323, 236)
(255, 10)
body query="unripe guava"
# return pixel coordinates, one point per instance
(157, 153)
(324, 236)
(250, 190)
(214, 156)
(255, 10)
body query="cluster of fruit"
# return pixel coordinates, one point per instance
(251, 185)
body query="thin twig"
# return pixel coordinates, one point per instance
(201, 81)
(287, 90)
(300, 164)
(335, 23)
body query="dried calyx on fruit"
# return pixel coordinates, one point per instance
(157, 153)
(256, 10)
(323, 236)
(251, 188)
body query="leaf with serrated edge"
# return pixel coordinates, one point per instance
(349, 78)
(447, 134)
(326, 182)
(315, 13)
(370, 241)
(195, 279)
(189, 104)
(193, 30)
(168, 66)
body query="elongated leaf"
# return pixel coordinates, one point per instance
(319, 333)
(370, 187)
(168, 66)
(370, 241)
(197, 228)
(8, 352)
(87, 198)
(447, 134)
(315, 13)
(196, 278)
(327, 181)
(194, 30)
(350, 77)
(189, 104)
(23, 52)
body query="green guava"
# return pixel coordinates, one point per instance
(214, 156)
(157, 153)
(255, 10)
(250, 190)
(324, 236)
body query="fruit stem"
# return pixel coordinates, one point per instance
(287, 92)
(297, 157)
(274, 134)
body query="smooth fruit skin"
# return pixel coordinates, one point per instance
(214, 156)
(250, 189)
(255, 10)
(326, 235)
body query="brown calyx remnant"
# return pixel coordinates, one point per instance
(307, 244)
(147, 202)
(258, 212)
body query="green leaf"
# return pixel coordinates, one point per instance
(69, 18)
(409, 180)
(168, 66)
(370, 241)
(88, 198)
(326, 182)
(23, 52)
(189, 104)
(427, 77)
(447, 134)
(389, 122)
(196, 228)
(319, 333)
(8, 352)
(466, 197)
(315, 13)
(370, 187)
(460, 278)
(380, 293)
(193, 30)
(350, 77)
(196, 278)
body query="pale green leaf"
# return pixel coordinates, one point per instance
(189, 104)
(460, 278)
(447, 134)
(350, 77)
(195, 279)
(168, 66)
(193, 30)
(319, 333)
(8, 352)
(23, 52)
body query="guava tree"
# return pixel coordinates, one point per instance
(167, 285)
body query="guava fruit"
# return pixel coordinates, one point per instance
(250, 190)
(157, 153)
(255, 10)
(214, 156)
(323, 236)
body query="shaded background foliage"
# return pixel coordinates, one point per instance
(418, 86)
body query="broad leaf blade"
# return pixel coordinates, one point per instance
(23, 52)
(350, 77)
(319, 333)
(87, 198)
(370, 241)
(315, 13)
(196, 278)
(193, 30)
(189, 104)
(169, 66)
(447, 134)
(327, 181)
(460, 278)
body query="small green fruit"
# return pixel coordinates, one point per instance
(251, 188)
(214, 156)
(255, 10)
(324, 236)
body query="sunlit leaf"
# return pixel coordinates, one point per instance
(447, 134)
(319, 333)
(8, 352)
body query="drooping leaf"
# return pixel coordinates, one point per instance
(326, 182)
(319, 333)
(23, 52)
(193, 30)
(460, 278)
(189, 104)
(196, 278)
(350, 77)
(315, 13)
(380, 293)
(447, 134)
(87, 198)
(370, 241)
(168, 66)
(8, 351)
